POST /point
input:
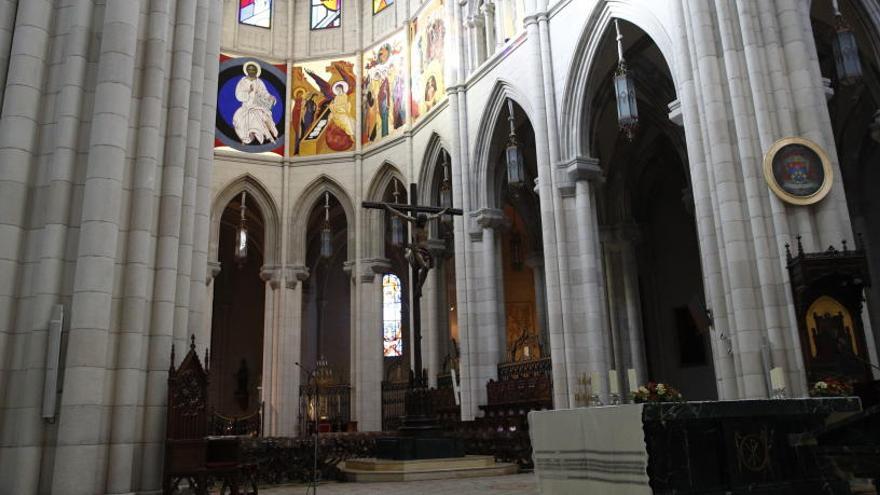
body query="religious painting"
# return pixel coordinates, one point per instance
(392, 331)
(830, 331)
(322, 107)
(428, 35)
(380, 5)
(798, 171)
(325, 14)
(250, 105)
(384, 90)
(255, 13)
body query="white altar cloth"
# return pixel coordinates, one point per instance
(594, 450)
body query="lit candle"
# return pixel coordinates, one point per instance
(633, 380)
(612, 382)
(526, 351)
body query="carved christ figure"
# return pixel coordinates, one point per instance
(417, 253)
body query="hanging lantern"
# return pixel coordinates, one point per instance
(326, 231)
(625, 92)
(846, 50)
(241, 234)
(446, 192)
(323, 372)
(397, 232)
(514, 156)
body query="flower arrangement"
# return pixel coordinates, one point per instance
(831, 387)
(657, 392)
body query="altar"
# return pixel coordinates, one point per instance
(684, 448)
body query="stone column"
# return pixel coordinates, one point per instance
(270, 382)
(490, 322)
(632, 299)
(586, 348)
(367, 392)
(81, 445)
(488, 11)
(286, 400)
(535, 261)
(500, 27)
(432, 312)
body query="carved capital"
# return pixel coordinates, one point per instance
(583, 168)
(214, 268)
(675, 114)
(490, 218)
(294, 275)
(272, 274)
(372, 267)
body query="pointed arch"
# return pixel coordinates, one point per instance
(374, 221)
(300, 218)
(482, 183)
(581, 84)
(430, 159)
(258, 193)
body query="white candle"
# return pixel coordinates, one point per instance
(633, 380)
(526, 351)
(594, 383)
(612, 382)
(777, 378)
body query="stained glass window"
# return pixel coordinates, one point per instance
(255, 13)
(380, 5)
(326, 14)
(391, 316)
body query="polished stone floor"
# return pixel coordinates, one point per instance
(518, 484)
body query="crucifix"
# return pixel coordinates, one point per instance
(418, 219)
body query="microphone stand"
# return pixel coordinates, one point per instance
(310, 376)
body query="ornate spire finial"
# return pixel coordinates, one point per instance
(192, 342)
(172, 357)
(800, 246)
(787, 252)
(844, 246)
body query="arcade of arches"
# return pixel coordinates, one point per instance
(196, 174)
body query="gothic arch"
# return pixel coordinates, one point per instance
(307, 200)
(258, 193)
(374, 222)
(482, 183)
(580, 84)
(429, 164)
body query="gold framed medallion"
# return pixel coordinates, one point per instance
(798, 171)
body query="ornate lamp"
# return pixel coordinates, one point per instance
(515, 162)
(625, 92)
(323, 372)
(846, 50)
(241, 234)
(326, 231)
(446, 191)
(397, 231)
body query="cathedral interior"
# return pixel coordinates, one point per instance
(423, 229)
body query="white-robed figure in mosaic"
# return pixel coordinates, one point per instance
(253, 121)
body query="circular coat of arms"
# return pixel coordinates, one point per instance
(798, 171)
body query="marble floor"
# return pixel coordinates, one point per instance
(518, 484)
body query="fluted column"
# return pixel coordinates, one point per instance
(632, 299)
(81, 446)
(490, 330)
(500, 30)
(536, 263)
(488, 11)
(586, 349)
(368, 385)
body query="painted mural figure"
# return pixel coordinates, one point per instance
(339, 129)
(253, 120)
(384, 90)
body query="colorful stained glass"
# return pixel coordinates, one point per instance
(380, 5)
(392, 332)
(326, 14)
(255, 13)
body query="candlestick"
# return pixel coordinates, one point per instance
(777, 383)
(613, 387)
(595, 400)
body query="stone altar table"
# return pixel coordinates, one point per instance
(715, 447)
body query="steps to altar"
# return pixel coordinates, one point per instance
(472, 466)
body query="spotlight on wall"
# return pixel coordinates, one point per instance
(625, 92)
